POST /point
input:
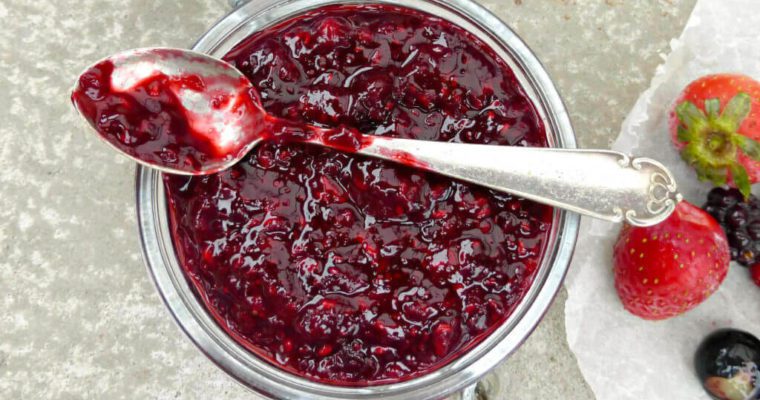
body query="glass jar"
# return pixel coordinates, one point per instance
(266, 378)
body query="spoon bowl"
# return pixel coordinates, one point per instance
(195, 114)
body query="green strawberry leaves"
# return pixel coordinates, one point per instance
(750, 147)
(691, 116)
(719, 175)
(741, 179)
(712, 108)
(713, 141)
(736, 111)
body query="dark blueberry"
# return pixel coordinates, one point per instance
(746, 257)
(754, 211)
(739, 239)
(740, 219)
(731, 197)
(716, 211)
(755, 247)
(753, 229)
(738, 215)
(727, 363)
(715, 196)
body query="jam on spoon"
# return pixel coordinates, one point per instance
(186, 112)
(134, 101)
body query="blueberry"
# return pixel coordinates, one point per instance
(727, 363)
(731, 197)
(739, 239)
(746, 257)
(753, 229)
(716, 211)
(740, 219)
(737, 216)
(754, 211)
(715, 196)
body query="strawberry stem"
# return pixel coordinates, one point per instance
(713, 141)
(717, 142)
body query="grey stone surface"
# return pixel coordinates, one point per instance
(79, 318)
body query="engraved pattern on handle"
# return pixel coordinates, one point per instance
(663, 191)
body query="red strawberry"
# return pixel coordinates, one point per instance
(716, 126)
(754, 272)
(667, 269)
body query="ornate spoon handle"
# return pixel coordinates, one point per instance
(598, 183)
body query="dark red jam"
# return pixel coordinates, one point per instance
(349, 270)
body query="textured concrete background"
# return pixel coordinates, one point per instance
(79, 317)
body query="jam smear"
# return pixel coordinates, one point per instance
(342, 138)
(354, 271)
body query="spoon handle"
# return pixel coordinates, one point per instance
(599, 183)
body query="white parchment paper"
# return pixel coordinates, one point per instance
(621, 356)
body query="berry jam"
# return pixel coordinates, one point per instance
(349, 270)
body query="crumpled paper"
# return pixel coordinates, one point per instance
(621, 356)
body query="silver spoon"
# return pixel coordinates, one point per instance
(599, 183)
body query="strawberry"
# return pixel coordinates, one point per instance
(754, 272)
(667, 269)
(715, 124)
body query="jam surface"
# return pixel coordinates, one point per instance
(348, 270)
